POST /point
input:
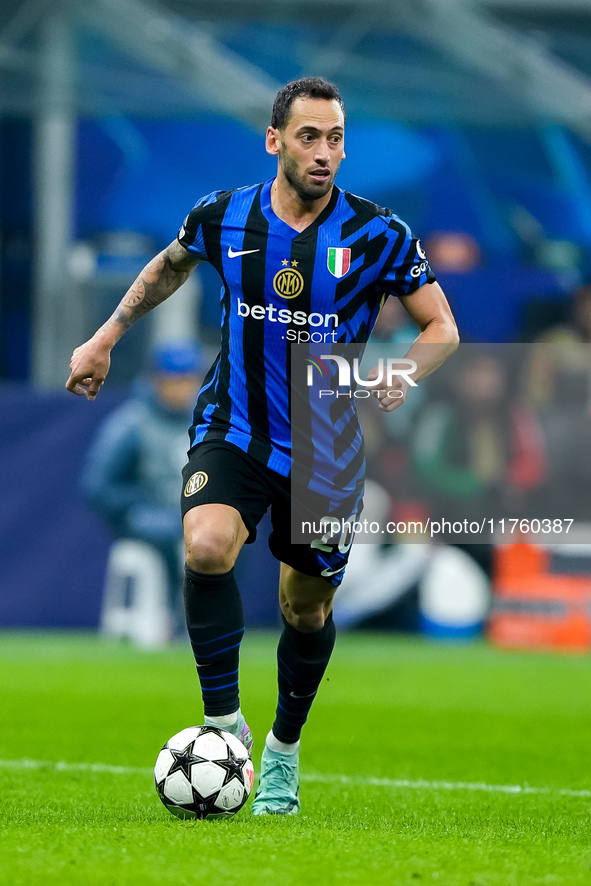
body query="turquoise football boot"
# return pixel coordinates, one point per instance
(279, 784)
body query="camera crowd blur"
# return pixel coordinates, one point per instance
(500, 433)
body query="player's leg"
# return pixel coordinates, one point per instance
(214, 535)
(221, 504)
(310, 576)
(303, 653)
(304, 649)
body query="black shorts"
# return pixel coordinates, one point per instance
(220, 473)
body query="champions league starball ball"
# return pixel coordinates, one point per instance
(203, 772)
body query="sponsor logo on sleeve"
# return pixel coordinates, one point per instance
(417, 270)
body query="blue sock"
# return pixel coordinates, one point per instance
(301, 661)
(215, 622)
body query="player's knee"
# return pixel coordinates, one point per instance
(211, 550)
(306, 617)
(309, 622)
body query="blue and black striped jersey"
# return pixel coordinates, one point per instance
(280, 286)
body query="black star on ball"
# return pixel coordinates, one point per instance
(183, 760)
(233, 766)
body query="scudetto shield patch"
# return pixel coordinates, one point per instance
(338, 260)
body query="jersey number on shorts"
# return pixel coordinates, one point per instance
(345, 541)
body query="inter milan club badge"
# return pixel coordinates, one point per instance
(288, 283)
(338, 260)
(195, 483)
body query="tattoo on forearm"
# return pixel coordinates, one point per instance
(133, 298)
(158, 280)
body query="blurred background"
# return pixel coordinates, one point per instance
(470, 118)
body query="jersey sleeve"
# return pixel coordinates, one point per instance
(193, 232)
(407, 268)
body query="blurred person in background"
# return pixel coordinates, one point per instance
(131, 475)
(480, 453)
(558, 387)
(559, 358)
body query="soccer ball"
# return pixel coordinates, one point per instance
(203, 772)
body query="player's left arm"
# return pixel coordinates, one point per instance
(437, 340)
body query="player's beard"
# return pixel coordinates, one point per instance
(306, 191)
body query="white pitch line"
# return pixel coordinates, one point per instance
(424, 785)
(62, 766)
(318, 778)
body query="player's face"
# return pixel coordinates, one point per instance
(311, 146)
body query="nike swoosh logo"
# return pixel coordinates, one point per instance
(309, 695)
(326, 572)
(232, 254)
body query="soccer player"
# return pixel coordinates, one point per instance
(297, 256)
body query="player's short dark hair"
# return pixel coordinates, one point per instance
(311, 87)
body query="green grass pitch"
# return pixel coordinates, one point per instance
(421, 763)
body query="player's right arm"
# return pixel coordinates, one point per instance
(161, 277)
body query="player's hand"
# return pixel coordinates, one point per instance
(389, 396)
(88, 369)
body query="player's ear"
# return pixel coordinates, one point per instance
(272, 141)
